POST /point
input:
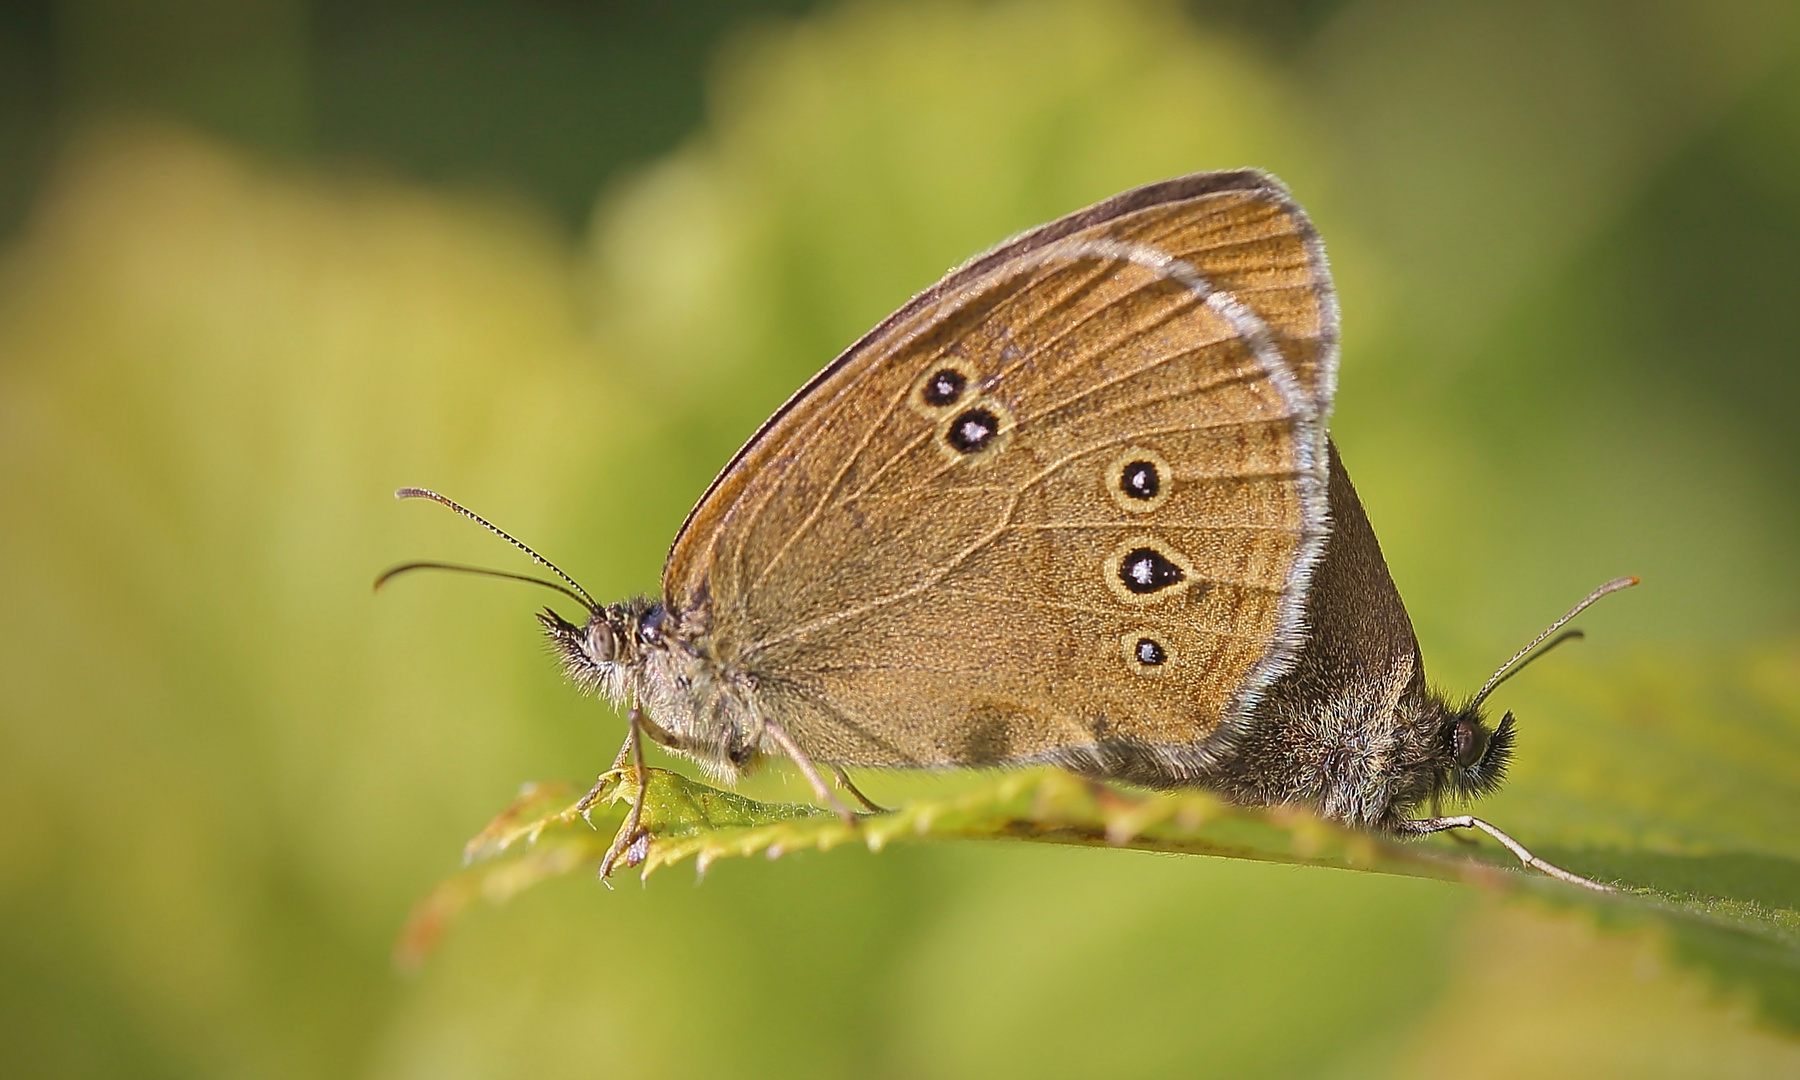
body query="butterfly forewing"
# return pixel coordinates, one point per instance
(1066, 498)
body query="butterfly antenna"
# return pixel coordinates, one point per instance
(393, 572)
(424, 493)
(1531, 652)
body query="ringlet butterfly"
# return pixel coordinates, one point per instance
(1074, 504)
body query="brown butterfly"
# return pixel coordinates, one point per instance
(1074, 504)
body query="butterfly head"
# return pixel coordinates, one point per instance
(1473, 756)
(602, 654)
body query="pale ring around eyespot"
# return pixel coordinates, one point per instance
(1164, 558)
(1117, 483)
(1161, 659)
(926, 397)
(975, 430)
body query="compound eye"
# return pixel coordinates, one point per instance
(601, 645)
(1470, 740)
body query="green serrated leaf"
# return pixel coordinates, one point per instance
(1751, 940)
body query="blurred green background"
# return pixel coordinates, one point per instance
(262, 261)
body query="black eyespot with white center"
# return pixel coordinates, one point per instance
(972, 430)
(1145, 570)
(1140, 480)
(945, 387)
(1146, 652)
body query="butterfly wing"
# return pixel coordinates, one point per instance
(1065, 500)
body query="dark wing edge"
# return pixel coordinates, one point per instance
(1291, 629)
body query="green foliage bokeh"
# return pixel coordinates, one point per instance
(1562, 233)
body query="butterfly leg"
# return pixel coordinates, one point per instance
(808, 769)
(586, 805)
(1437, 810)
(843, 779)
(1426, 826)
(628, 832)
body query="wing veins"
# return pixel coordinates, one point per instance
(1238, 376)
(915, 442)
(945, 469)
(824, 501)
(1249, 325)
(993, 534)
(1108, 266)
(1101, 613)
